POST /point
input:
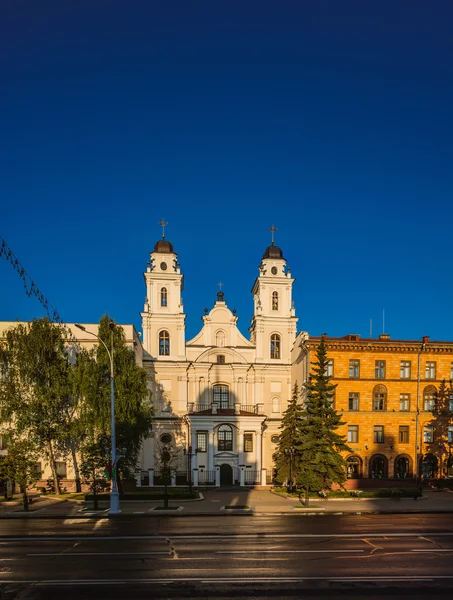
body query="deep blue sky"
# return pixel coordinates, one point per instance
(331, 119)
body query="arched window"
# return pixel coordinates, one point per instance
(429, 398)
(164, 343)
(225, 436)
(380, 397)
(275, 345)
(163, 297)
(378, 467)
(274, 300)
(275, 404)
(221, 396)
(354, 465)
(402, 467)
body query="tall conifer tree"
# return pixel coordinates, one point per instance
(286, 458)
(320, 463)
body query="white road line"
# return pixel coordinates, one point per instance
(70, 555)
(432, 550)
(248, 580)
(283, 551)
(242, 536)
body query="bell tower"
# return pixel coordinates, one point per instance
(273, 327)
(163, 318)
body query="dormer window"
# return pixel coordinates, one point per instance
(274, 300)
(163, 297)
(220, 359)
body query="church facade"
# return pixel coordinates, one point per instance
(219, 397)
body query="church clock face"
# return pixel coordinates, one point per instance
(274, 270)
(163, 266)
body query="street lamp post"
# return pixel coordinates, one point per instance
(290, 452)
(114, 496)
(189, 453)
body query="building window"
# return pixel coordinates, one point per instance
(225, 437)
(450, 402)
(163, 297)
(165, 438)
(451, 370)
(275, 345)
(353, 400)
(405, 369)
(329, 368)
(379, 369)
(222, 396)
(275, 405)
(164, 343)
(379, 397)
(353, 434)
(430, 370)
(248, 442)
(428, 434)
(429, 398)
(378, 434)
(202, 441)
(220, 359)
(354, 368)
(404, 434)
(450, 434)
(404, 402)
(274, 300)
(61, 469)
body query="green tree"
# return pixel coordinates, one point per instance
(35, 390)
(95, 456)
(20, 466)
(320, 463)
(133, 408)
(286, 458)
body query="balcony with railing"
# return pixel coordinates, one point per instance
(234, 409)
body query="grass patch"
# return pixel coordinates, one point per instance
(237, 507)
(67, 496)
(376, 493)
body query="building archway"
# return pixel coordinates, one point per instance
(354, 467)
(403, 467)
(379, 467)
(226, 475)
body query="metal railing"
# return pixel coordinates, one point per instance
(252, 477)
(206, 477)
(201, 407)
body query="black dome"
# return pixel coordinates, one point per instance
(273, 252)
(163, 246)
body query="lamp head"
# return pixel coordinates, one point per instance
(79, 326)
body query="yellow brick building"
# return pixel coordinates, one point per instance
(396, 398)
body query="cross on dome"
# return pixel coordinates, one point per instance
(220, 285)
(272, 229)
(163, 224)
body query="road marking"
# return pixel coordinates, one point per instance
(283, 551)
(432, 550)
(207, 580)
(71, 554)
(231, 536)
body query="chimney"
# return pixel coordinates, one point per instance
(425, 339)
(384, 336)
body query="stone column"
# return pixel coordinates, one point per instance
(240, 443)
(217, 476)
(151, 477)
(263, 476)
(241, 475)
(195, 477)
(211, 450)
(258, 450)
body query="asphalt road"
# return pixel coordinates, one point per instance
(229, 557)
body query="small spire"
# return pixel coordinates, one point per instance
(220, 284)
(220, 294)
(273, 230)
(163, 224)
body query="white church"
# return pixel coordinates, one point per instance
(219, 397)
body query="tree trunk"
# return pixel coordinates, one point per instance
(23, 491)
(75, 465)
(53, 467)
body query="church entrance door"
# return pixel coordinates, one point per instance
(226, 475)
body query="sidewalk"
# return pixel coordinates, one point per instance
(213, 502)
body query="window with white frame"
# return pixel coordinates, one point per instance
(353, 433)
(450, 434)
(221, 395)
(225, 438)
(275, 345)
(403, 434)
(404, 402)
(163, 297)
(202, 441)
(329, 367)
(429, 398)
(354, 368)
(428, 434)
(164, 343)
(430, 370)
(379, 397)
(378, 434)
(61, 469)
(353, 400)
(405, 369)
(379, 369)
